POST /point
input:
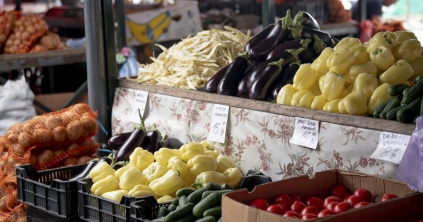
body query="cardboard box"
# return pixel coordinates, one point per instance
(409, 205)
(163, 24)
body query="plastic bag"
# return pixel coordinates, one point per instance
(19, 98)
(365, 31)
(130, 67)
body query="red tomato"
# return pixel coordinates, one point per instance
(283, 199)
(309, 210)
(353, 200)
(308, 216)
(316, 202)
(297, 206)
(361, 204)
(330, 199)
(339, 190)
(325, 213)
(291, 213)
(260, 204)
(342, 207)
(388, 196)
(346, 197)
(331, 206)
(277, 209)
(364, 195)
(295, 197)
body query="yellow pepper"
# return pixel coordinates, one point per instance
(202, 163)
(154, 171)
(354, 103)
(332, 85)
(175, 163)
(319, 64)
(360, 52)
(233, 176)
(417, 66)
(224, 162)
(398, 73)
(122, 170)
(404, 35)
(141, 190)
(305, 77)
(141, 158)
(165, 198)
(379, 96)
(341, 60)
(188, 180)
(285, 95)
(318, 102)
(209, 177)
(101, 171)
(315, 89)
(209, 149)
(366, 83)
(191, 150)
(166, 184)
(347, 90)
(130, 178)
(303, 98)
(382, 57)
(164, 154)
(332, 106)
(348, 42)
(367, 67)
(104, 185)
(385, 39)
(115, 195)
(410, 49)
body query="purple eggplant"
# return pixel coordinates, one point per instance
(116, 141)
(301, 32)
(286, 76)
(154, 138)
(242, 90)
(172, 143)
(211, 85)
(85, 173)
(258, 37)
(278, 35)
(306, 20)
(259, 89)
(233, 75)
(294, 44)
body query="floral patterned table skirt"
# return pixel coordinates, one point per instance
(257, 140)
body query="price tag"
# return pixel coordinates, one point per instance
(140, 102)
(391, 147)
(218, 123)
(306, 133)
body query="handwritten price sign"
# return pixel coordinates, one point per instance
(140, 102)
(306, 133)
(391, 147)
(218, 123)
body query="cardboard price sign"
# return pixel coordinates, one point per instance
(141, 98)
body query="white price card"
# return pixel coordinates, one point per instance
(218, 123)
(140, 101)
(306, 133)
(391, 147)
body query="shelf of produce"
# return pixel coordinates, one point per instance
(336, 29)
(41, 59)
(268, 107)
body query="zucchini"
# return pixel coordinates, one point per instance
(187, 218)
(226, 187)
(184, 192)
(215, 212)
(395, 102)
(162, 212)
(392, 115)
(413, 93)
(206, 204)
(183, 201)
(397, 89)
(212, 186)
(205, 194)
(175, 201)
(195, 196)
(379, 109)
(407, 113)
(207, 219)
(180, 213)
(171, 208)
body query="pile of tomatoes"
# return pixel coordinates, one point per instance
(339, 200)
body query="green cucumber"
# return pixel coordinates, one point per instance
(392, 114)
(395, 102)
(183, 201)
(206, 203)
(207, 219)
(226, 187)
(397, 89)
(414, 92)
(187, 218)
(184, 192)
(212, 186)
(205, 194)
(407, 113)
(214, 211)
(171, 207)
(379, 109)
(162, 219)
(162, 212)
(419, 79)
(405, 91)
(220, 220)
(175, 201)
(195, 196)
(180, 213)
(421, 109)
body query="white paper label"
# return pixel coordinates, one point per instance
(306, 133)
(391, 147)
(140, 102)
(218, 123)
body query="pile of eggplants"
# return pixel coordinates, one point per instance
(271, 58)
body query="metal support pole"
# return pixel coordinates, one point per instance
(362, 10)
(268, 12)
(120, 19)
(101, 69)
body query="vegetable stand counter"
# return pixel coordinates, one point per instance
(260, 129)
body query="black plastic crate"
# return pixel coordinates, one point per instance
(48, 190)
(146, 209)
(35, 215)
